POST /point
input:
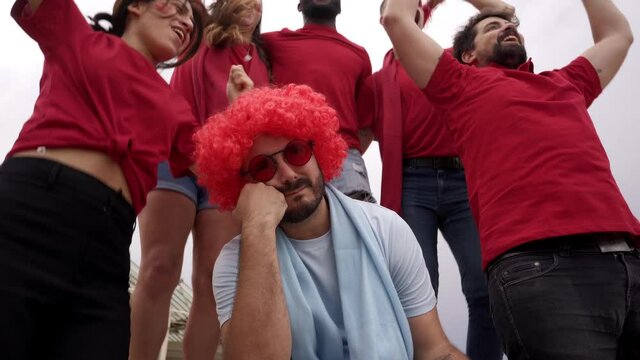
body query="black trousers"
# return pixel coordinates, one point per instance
(571, 302)
(64, 264)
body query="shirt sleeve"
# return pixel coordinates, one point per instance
(581, 73)
(54, 24)
(183, 147)
(447, 81)
(365, 103)
(183, 82)
(225, 277)
(406, 264)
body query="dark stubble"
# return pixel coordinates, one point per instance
(302, 210)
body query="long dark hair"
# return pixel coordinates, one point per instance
(118, 21)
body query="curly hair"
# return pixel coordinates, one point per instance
(292, 111)
(463, 40)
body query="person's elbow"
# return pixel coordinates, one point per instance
(625, 34)
(629, 37)
(390, 20)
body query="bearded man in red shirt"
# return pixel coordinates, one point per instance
(559, 242)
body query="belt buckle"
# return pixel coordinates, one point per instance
(613, 245)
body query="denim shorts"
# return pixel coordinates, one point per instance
(354, 178)
(186, 185)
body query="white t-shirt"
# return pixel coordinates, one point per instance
(399, 248)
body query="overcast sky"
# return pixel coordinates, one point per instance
(555, 33)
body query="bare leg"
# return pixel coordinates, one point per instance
(165, 224)
(213, 229)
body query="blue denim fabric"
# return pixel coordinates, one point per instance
(354, 180)
(563, 305)
(186, 185)
(437, 199)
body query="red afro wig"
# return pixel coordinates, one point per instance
(292, 111)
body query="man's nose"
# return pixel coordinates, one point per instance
(285, 172)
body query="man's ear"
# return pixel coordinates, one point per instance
(299, 7)
(469, 57)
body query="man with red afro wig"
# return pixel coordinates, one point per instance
(314, 274)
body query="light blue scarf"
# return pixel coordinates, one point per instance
(375, 323)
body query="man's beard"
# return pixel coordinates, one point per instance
(321, 12)
(303, 209)
(509, 55)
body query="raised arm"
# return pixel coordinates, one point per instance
(498, 5)
(418, 53)
(238, 83)
(429, 340)
(612, 38)
(259, 325)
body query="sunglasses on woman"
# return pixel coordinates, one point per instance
(263, 168)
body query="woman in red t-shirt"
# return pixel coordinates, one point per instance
(80, 170)
(180, 205)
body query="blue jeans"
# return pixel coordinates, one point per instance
(437, 199)
(567, 305)
(353, 181)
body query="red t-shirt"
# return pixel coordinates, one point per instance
(203, 79)
(405, 124)
(321, 58)
(534, 164)
(98, 93)
(425, 133)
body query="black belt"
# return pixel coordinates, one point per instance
(434, 163)
(580, 243)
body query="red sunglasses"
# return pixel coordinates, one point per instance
(262, 168)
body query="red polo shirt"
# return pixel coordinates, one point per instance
(326, 61)
(534, 164)
(98, 93)
(203, 79)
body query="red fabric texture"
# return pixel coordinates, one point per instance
(318, 56)
(534, 164)
(203, 79)
(406, 126)
(98, 93)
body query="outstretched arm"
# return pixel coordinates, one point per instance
(418, 53)
(612, 38)
(429, 340)
(259, 324)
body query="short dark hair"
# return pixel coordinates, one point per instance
(463, 41)
(118, 21)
